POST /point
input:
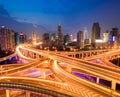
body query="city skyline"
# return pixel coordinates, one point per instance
(44, 16)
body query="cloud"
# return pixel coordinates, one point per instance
(12, 23)
(3, 11)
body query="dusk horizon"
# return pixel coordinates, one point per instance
(44, 16)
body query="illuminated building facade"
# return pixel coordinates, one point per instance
(22, 38)
(53, 42)
(71, 38)
(60, 36)
(16, 38)
(106, 37)
(7, 38)
(80, 39)
(114, 38)
(86, 41)
(46, 40)
(34, 38)
(66, 40)
(95, 33)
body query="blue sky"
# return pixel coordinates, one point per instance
(74, 15)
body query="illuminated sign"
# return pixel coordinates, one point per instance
(113, 38)
(99, 41)
(3, 26)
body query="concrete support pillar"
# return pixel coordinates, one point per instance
(7, 93)
(37, 56)
(27, 94)
(86, 55)
(90, 54)
(78, 55)
(113, 85)
(82, 56)
(32, 55)
(69, 69)
(73, 55)
(97, 80)
(43, 75)
(28, 54)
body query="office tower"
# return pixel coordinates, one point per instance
(66, 40)
(53, 42)
(53, 37)
(7, 39)
(22, 38)
(87, 42)
(34, 38)
(12, 39)
(85, 33)
(80, 39)
(16, 38)
(46, 40)
(105, 39)
(71, 38)
(60, 36)
(95, 33)
(114, 37)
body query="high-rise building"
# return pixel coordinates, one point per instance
(71, 38)
(85, 33)
(60, 36)
(53, 37)
(105, 39)
(22, 37)
(53, 41)
(95, 33)
(46, 40)
(16, 38)
(106, 36)
(7, 39)
(66, 40)
(80, 39)
(114, 37)
(34, 38)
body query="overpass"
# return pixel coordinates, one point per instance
(92, 68)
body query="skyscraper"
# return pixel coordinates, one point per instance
(34, 38)
(16, 38)
(53, 40)
(114, 37)
(46, 39)
(66, 39)
(80, 39)
(22, 38)
(60, 37)
(106, 38)
(7, 39)
(95, 33)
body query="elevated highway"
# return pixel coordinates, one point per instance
(36, 85)
(96, 89)
(7, 57)
(22, 68)
(101, 71)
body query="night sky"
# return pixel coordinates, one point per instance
(44, 15)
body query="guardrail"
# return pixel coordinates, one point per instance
(74, 79)
(7, 57)
(12, 85)
(21, 68)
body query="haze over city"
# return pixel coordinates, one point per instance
(59, 48)
(44, 15)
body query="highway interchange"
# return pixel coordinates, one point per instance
(69, 84)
